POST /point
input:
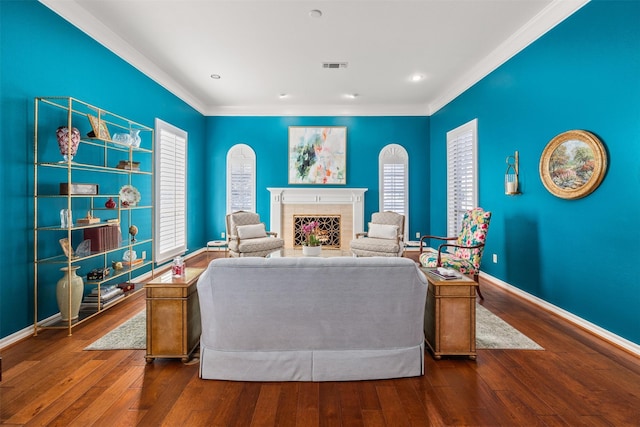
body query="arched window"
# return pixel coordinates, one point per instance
(241, 179)
(393, 172)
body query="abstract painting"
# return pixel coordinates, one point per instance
(317, 155)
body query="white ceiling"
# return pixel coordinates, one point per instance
(264, 48)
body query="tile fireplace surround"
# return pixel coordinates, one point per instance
(346, 202)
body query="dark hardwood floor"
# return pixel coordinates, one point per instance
(578, 380)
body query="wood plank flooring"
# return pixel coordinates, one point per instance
(578, 380)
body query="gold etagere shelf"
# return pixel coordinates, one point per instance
(115, 161)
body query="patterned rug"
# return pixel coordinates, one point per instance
(491, 333)
(131, 335)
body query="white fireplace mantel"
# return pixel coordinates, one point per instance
(320, 196)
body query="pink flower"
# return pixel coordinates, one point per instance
(310, 231)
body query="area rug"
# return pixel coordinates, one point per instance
(494, 333)
(131, 335)
(491, 333)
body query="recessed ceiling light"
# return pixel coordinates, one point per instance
(283, 95)
(215, 76)
(315, 13)
(351, 95)
(417, 77)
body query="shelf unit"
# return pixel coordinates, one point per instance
(97, 160)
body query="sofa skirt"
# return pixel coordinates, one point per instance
(311, 365)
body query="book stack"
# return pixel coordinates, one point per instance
(108, 295)
(445, 273)
(103, 238)
(132, 263)
(131, 166)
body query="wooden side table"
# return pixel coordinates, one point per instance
(450, 316)
(173, 315)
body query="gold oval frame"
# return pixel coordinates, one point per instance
(573, 190)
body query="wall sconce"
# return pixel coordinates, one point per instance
(511, 175)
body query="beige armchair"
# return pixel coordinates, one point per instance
(385, 236)
(247, 236)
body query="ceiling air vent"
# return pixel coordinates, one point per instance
(335, 65)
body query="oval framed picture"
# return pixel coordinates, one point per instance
(573, 164)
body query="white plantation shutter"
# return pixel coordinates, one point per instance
(241, 179)
(394, 181)
(171, 191)
(462, 174)
(393, 187)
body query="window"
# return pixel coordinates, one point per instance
(241, 179)
(462, 174)
(171, 190)
(393, 172)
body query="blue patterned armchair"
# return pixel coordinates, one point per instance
(467, 249)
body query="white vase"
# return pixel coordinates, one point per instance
(311, 250)
(70, 279)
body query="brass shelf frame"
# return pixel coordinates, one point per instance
(79, 111)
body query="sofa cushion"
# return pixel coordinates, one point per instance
(251, 231)
(382, 231)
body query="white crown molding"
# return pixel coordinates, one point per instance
(549, 17)
(87, 23)
(320, 110)
(596, 330)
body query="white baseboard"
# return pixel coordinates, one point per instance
(596, 330)
(24, 332)
(28, 331)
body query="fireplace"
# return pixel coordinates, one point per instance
(328, 230)
(347, 203)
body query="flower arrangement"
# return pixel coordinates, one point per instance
(310, 231)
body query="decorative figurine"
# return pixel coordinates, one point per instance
(133, 230)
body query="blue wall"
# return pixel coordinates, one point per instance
(43, 55)
(268, 136)
(581, 255)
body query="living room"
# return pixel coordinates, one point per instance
(561, 254)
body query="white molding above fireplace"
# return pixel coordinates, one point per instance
(318, 196)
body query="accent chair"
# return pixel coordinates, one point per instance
(385, 236)
(248, 237)
(467, 249)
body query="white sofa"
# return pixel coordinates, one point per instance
(311, 319)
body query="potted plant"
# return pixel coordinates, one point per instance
(311, 245)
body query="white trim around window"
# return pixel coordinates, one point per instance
(171, 191)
